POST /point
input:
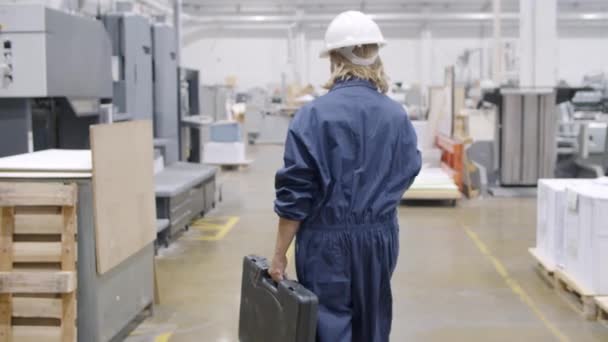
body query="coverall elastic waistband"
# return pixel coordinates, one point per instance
(388, 224)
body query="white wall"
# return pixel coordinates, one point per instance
(259, 61)
(255, 62)
(399, 57)
(581, 55)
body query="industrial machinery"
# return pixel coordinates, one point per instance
(525, 145)
(194, 125)
(589, 101)
(598, 81)
(534, 141)
(582, 141)
(257, 107)
(527, 138)
(49, 98)
(131, 38)
(184, 191)
(165, 84)
(214, 99)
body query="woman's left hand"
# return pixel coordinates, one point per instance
(277, 268)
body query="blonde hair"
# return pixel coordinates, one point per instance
(342, 69)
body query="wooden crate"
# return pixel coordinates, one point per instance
(578, 297)
(602, 310)
(38, 262)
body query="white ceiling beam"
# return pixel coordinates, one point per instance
(385, 17)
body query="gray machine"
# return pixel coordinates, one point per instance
(213, 101)
(49, 98)
(109, 302)
(184, 191)
(193, 125)
(165, 82)
(528, 146)
(131, 38)
(582, 141)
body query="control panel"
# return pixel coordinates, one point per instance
(6, 63)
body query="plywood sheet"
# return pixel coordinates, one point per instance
(123, 187)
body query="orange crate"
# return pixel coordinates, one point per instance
(452, 151)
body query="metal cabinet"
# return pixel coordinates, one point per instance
(528, 147)
(184, 191)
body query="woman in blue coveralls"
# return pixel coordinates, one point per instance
(349, 157)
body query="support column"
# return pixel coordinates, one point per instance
(497, 68)
(301, 56)
(426, 62)
(177, 23)
(182, 134)
(538, 43)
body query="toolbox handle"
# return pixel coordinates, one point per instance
(268, 282)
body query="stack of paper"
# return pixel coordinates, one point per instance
(48, 164)
(586, 235)
(433, 183)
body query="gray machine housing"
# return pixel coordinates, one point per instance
(49, 53)
(131, 38)
(49, 98)
(213, 101)
(108, 302)
(184, 191)
(528, 145)
(165, 82)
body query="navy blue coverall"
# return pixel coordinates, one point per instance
(349, 157)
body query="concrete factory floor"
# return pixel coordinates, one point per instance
(464, 273)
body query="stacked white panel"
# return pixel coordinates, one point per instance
(586, 235)
(551, 212)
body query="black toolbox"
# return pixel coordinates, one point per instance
(271, 312)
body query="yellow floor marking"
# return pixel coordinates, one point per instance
(163, 337)
(147, 331)
(213, 230)
(514, 285)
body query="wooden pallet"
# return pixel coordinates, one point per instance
(602, 310)
(544, 268)
(38, 262)
(582, 300)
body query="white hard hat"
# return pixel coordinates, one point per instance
(351, 28)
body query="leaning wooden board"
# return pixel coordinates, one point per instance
(123, 184)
